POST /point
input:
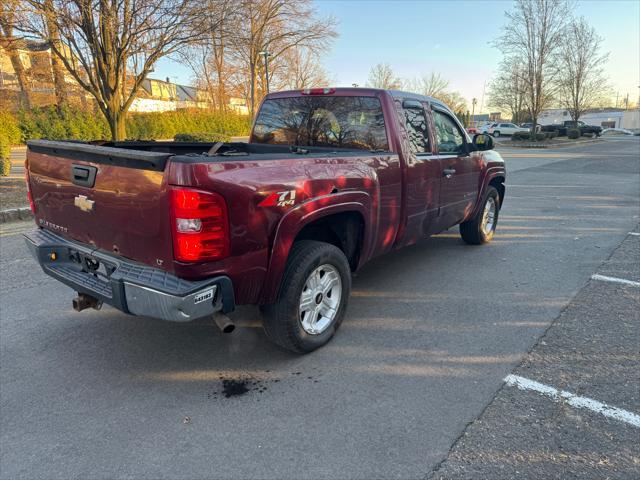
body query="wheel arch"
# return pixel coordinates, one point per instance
(343, 224)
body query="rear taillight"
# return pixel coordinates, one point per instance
(199, 225)
(29, 196)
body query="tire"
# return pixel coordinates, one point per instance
(496, 134)
(477, 230)
(284, 322)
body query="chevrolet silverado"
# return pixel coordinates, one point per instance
(329, 179)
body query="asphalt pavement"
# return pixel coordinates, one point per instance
(430, 334)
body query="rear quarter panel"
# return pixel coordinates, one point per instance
(261, 236)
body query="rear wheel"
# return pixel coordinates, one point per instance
(481, 228)
(496, 134)
(312, 299)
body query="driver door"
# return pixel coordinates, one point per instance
(460, 171)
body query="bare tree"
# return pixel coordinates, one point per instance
(455, 101)
(110, 46)
(209, 57)
(533, 33)
(382, 76)
(507, 91)
(581, 79)
(53, 37)
(275, 26)
(9, 11)
(431, 85)
(301, 69)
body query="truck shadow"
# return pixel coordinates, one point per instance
(397, 325)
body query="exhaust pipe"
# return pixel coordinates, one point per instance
(82, 302)
(224, 323)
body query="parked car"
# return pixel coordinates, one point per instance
(528, 126)
(592, 130)
(498, 129)
(330, 179)
(485, 128)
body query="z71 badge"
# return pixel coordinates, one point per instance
(279, 199)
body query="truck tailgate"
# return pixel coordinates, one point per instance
(113, 199)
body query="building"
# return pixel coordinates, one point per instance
(603, 117)
(154, 95)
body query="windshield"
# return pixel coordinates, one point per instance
(322, 121)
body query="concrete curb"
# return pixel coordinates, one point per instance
(15, 214)
(552, 145)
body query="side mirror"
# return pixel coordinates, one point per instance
(483, 141)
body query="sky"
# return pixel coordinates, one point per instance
(453, 38)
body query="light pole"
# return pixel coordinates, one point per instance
(473, 111)
(266, 56)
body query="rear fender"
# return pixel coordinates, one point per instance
(296, 219)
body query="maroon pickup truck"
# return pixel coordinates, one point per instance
(330, 179)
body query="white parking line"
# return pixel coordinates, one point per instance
(635, 234)
(604, 278)
(574, 400)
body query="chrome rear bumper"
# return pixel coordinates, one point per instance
(129, 286)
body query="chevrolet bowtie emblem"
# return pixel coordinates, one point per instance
(83, 203)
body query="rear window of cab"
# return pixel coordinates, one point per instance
(322, 121)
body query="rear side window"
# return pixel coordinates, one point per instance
(322, 121)
(416, 122)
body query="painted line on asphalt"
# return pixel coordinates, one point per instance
(635, 234)
(573, 400)
(604, 278)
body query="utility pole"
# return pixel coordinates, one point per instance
(266, 56)
(482, 101)
(474, 100)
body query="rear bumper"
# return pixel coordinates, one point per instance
(126, 285)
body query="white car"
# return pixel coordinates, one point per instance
(485, 127)
(498, 129)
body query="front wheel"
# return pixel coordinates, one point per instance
(312, 299)
(481, 228)
(496, 134)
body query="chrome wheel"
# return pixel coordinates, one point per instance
(489, 216)
(320, 299)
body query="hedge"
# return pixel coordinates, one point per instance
(77, 124)
(540, 136)
(10, 129)
(201, 137)
(573, 133)
(5, 154)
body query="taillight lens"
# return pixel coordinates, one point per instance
(32, 205)
(318, 91)
(199, 224)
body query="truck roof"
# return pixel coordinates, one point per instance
(363, 92)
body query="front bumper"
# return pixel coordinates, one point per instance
(126, 285)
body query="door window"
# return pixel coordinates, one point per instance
(416, 122)
(448, 135)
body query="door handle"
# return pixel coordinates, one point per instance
(447, 172)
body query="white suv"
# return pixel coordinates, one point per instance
(498, 129)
